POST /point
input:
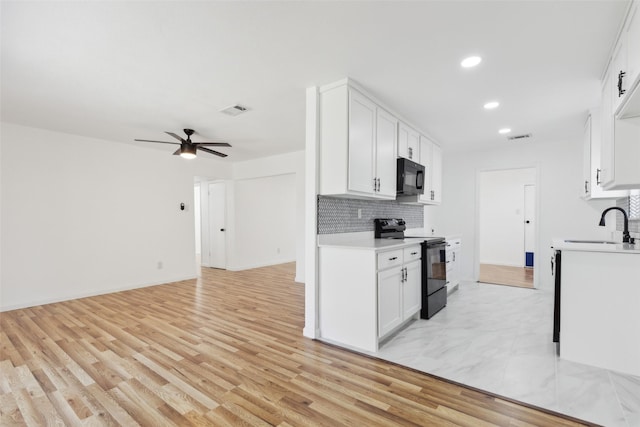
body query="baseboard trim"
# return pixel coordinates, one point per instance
(92, 294)
(258, 265)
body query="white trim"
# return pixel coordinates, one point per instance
(95, 293)
(258, 265)
(311, 323)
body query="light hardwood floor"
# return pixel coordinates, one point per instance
(226, 349)
(505, 275)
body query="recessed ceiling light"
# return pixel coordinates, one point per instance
(491, 105)
(471, 61)
(504, 130)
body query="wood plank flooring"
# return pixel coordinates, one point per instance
(505, 275)
(224, 350)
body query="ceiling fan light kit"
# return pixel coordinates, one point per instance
(187, 151)
(189, 148)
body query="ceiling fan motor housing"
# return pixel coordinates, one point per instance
(187, 148)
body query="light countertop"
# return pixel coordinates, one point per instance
(365, 240)
(623, 248)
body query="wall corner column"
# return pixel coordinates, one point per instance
(311, 323)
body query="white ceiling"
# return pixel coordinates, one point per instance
(125, 70)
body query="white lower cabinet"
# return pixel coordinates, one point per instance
(389, 300)
(399, 295)
(412, 289)
(454, 248)
(366, 294)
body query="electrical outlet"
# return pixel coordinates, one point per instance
(278, 250)
(160, 265)
(359, 213)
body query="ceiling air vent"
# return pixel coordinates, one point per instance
(519, 137)
(234, 110)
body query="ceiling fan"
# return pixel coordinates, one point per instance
(188, 148)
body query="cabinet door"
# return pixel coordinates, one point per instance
(408, 143)
(585, 190)
(593, 177)
(389, 300)
(425, 160)
(633, 43)
(386, 147)
(362, 125)
(606, 137)
(453, 262)
(436, 173)
(619, 65)
(412, 289)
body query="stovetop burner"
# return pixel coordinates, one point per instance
(389, 228)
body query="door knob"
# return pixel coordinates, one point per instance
(527, 222)
(222, 229)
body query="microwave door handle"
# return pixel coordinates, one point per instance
(420, 180)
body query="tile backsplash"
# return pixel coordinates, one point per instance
(627, 203)
(339, 215)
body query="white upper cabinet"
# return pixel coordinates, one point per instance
(606, 133)
(625, 60)
(386, 143)
(358, 144)
(362, 134)
(436, 173)
(620, 133)
(431, 159)
(426, 161)
(619, 146)
(619, 77)
(591, 187)
(360, 141)
(632, 32)
(408, 142)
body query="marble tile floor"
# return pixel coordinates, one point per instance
(499, 339)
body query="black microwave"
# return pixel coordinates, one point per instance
(410, 178)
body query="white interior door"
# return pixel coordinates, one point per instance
(529, 223)
(217, 224)
(196, 214)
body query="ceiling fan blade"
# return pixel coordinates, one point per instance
(211, 151)
(213, 144)
(175, 136)
(162, 142)
(177, 152)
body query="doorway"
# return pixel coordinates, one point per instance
(197, 223)
(507, 227)
(213, 211)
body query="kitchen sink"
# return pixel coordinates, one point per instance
(604, 242)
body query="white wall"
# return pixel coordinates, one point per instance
(265, 222)
(501, 215)
(267, 191)
(82, 216)
(561, 213)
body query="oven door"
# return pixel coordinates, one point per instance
(434, 278)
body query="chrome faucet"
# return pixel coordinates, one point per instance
(626, 237)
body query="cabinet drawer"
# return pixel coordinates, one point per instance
(411, 253)
(389, 259)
